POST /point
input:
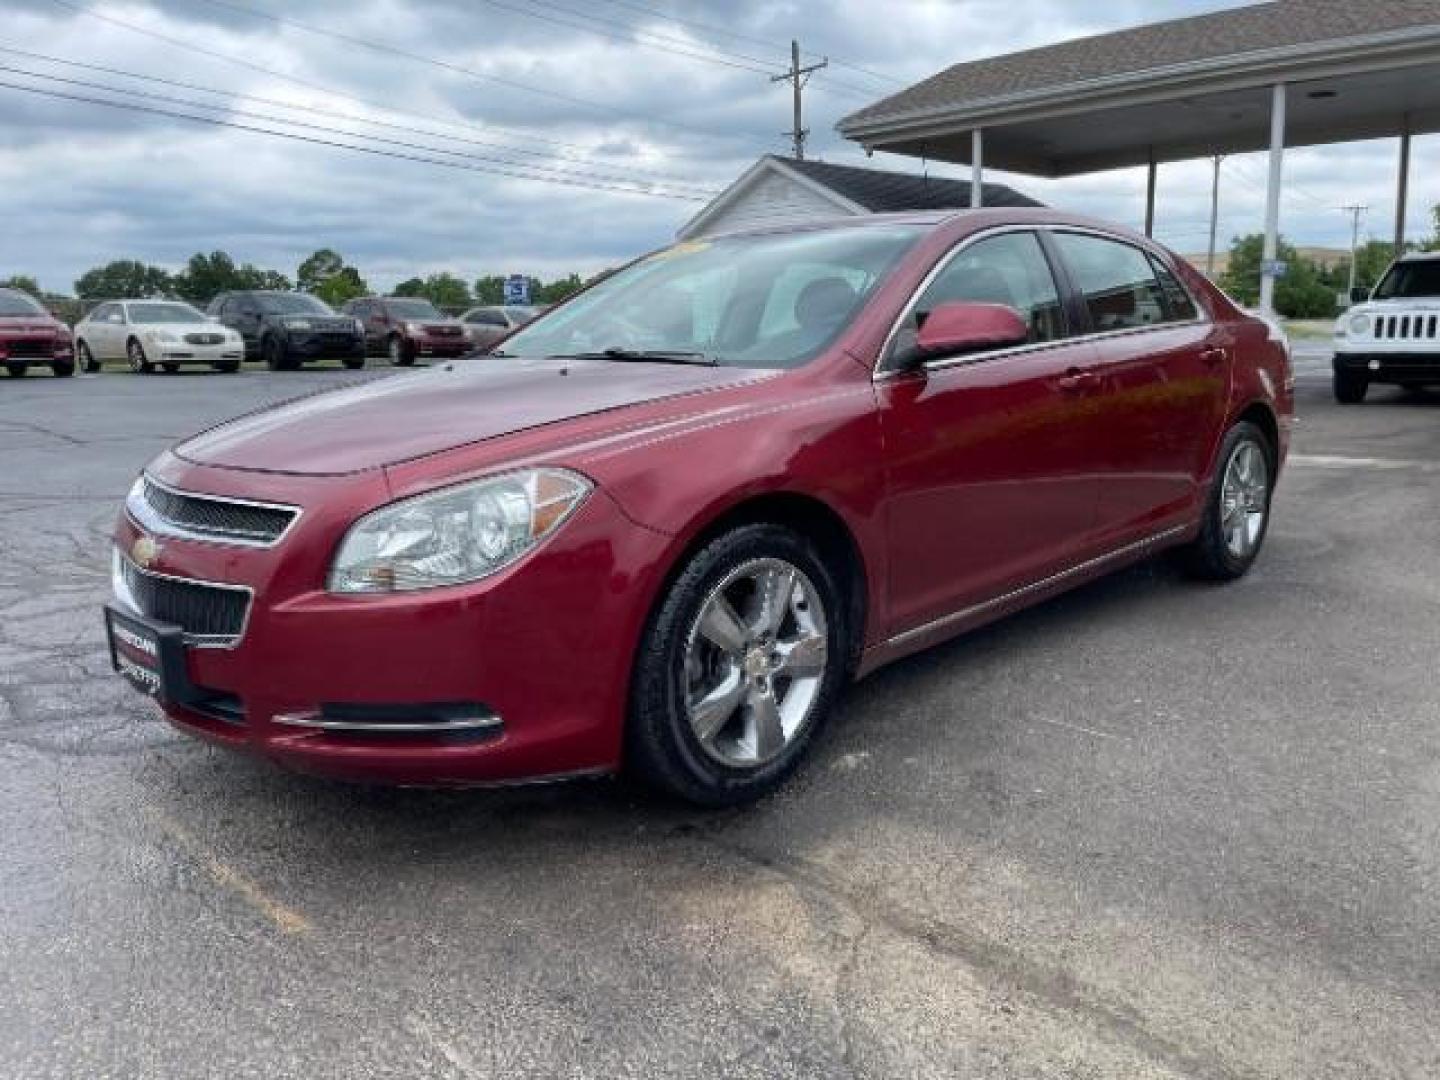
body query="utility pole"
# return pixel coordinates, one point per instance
(1214, 215)
(798, 76)
(1354, 212)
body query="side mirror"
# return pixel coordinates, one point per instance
(1359, 294)
(962, 327)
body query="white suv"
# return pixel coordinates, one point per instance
(1394, 337)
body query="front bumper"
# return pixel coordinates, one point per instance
(441, 347)
(320, 343)
(543, 648)
(182, 352)
(1391, 367)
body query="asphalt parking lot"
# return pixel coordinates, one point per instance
(1150, 829)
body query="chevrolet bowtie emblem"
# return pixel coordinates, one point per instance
(144, 552)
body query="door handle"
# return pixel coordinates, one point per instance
(1213, 356)
(1076, 380)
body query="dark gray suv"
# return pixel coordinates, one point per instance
(286, 329)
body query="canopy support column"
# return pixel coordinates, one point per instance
(977, 169)
(1150, 197)
(1272, 198)
(1403, 191)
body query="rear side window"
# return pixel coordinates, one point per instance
(1177, 301)
(1115, 279)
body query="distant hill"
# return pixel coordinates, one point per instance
(1325, 257)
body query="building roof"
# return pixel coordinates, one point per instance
(1359, 46)
(882, 191)
(851, 189)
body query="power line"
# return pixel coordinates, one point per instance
(797, 77)
(286, 77)
(548, 155)
(374, 151)
(647, 9)
(391, 50)
(532, 171)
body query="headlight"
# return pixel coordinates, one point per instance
(298, 324)
(415, 327)
(163, 335)
(1360, 325)
(457, 534)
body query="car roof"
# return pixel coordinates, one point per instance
(1420, 256)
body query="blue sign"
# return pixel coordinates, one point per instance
(517, 290)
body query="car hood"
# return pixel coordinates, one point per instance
(186, 328)
(410, 416)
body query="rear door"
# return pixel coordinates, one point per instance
(991, 457)
(100, 332)
(1163, 371)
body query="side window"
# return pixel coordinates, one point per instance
(491, 318)
(116, 314)
(1178, 304)
(1115, 279)
(1008, 269)
(100, 314)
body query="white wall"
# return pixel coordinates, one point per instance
(772, 200)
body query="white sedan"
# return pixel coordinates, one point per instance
(155, 333)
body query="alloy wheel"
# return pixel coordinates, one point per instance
(755, 661)
(136, 354)
(1244, 499)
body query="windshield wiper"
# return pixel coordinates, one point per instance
(646, 356)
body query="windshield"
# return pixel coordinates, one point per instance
(1410, 280)
(771, 301)
(17, 304)
(292, 304)
(164, 313)
(413, 309)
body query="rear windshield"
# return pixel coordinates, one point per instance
(765, 301)
(1410, 281)
(413, 309)
(292, 304)
(164, 313)
(14, 304)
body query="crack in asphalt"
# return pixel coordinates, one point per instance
(1055, 988)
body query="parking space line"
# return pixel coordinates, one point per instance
(286, 920)
(1335, 461)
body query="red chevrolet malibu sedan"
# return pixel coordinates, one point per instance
(676, 516)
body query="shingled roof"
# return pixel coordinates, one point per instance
(1223, 34)
(881, 191)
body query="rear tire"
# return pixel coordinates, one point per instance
(62, 370)
(1237, 508)
(228, 367)
(354, 363)
(721, 724)
(1350, 388)
(171, 369)
(16, 370)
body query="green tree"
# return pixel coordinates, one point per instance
(206, 275)
(1302, 293)
(444, 290)
(25, 283)
(490, 289)
(319, 267)
(555, 291)
(123, 278)
(345, 285)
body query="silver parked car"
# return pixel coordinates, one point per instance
(486, 325)
(155, 333)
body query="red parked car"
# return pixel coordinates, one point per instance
(31, 336)
(699, 499)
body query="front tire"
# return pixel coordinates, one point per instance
(1237, 510)
(135, 353)
(62, 370)
(86, 359)
(738, 669)
(354, 363)
(401, 355)
(1350, 388)
(273, 350)
(227, 367)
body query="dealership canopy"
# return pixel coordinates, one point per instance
(1289, 73)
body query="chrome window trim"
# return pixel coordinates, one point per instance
(197, 641)
(881, 374)
(147, 518)
(1034, 586)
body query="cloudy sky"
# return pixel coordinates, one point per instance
(669, 97)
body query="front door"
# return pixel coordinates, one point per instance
(990, 458)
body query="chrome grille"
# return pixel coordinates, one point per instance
(205, 339)
(209, 614)
(210, 517)
(29, 348)
(446, 331)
